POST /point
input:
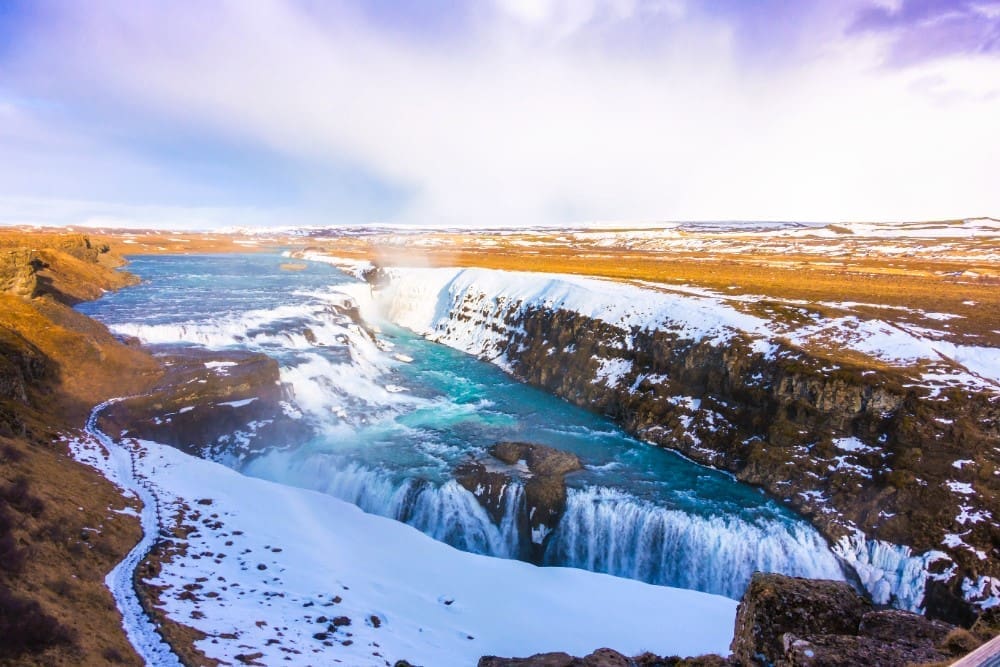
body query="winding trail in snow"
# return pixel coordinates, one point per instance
(139, 628)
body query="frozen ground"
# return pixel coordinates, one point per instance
(423, 300)
(283, 575)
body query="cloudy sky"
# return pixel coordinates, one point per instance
(497, 112)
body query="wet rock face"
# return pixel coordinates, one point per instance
(489, 487)
(543, 477)
(210, 404)
(790, 621)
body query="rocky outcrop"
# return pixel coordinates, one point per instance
(19, 271)
(210, 404)
(603, 657)
(67, 267)
(857, 448)
(21, 364)
(792, 622)
(540, 472)
(774, 605)
(786, 621)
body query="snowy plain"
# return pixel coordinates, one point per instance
(278, 571)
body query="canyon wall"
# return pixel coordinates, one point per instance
(902, 479)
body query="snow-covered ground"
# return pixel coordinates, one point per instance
(117, 464)
(423, 300)
(300, 575)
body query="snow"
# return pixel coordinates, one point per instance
(423, 299)
(119, 466)
(853, 445)
(239, 404)
(984, 591)
(472, 310)
(611, 372)
(963, 488)
(274, 557)
(216, 365)
(966, 514)
(889, 571)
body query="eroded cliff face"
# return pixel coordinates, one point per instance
(870, 457)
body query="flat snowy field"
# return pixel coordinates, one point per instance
(278, 571)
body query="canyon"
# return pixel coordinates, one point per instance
(891, 457)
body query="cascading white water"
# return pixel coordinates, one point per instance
(392, 424)
(609, 531)
(603, 529)
(446, 512)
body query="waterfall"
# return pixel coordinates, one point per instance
(610, 531)
(603, 529)
(446, 512)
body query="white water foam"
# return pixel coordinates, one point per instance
(605, 530)
(891, 573)
(602, 530)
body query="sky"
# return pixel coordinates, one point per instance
(206, 113)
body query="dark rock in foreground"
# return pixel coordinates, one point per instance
(603, 657)
(210, 403)
(791, 621)
(774, 604)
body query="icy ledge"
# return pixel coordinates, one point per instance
(891, 573)
(291, 557)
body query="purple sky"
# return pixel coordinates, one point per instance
(249, 112)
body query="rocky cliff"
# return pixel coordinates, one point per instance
(901, 477)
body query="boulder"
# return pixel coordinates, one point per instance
(896, 625)
(849, 651)
(543, 477)
(603, 657)
(774, 605)
(541, 460)
(787, 621)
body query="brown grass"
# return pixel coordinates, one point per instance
(918, 283)
(70, 531)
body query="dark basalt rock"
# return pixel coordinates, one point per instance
(850, 651)
(895, 625)
(233, 408)
(775, 604)
(604, 657)
(489, 487)
(544, 488)
(788, 621)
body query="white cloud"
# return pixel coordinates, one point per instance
(507, 128)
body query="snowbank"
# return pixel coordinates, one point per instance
(429, 302)
(272, 560)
